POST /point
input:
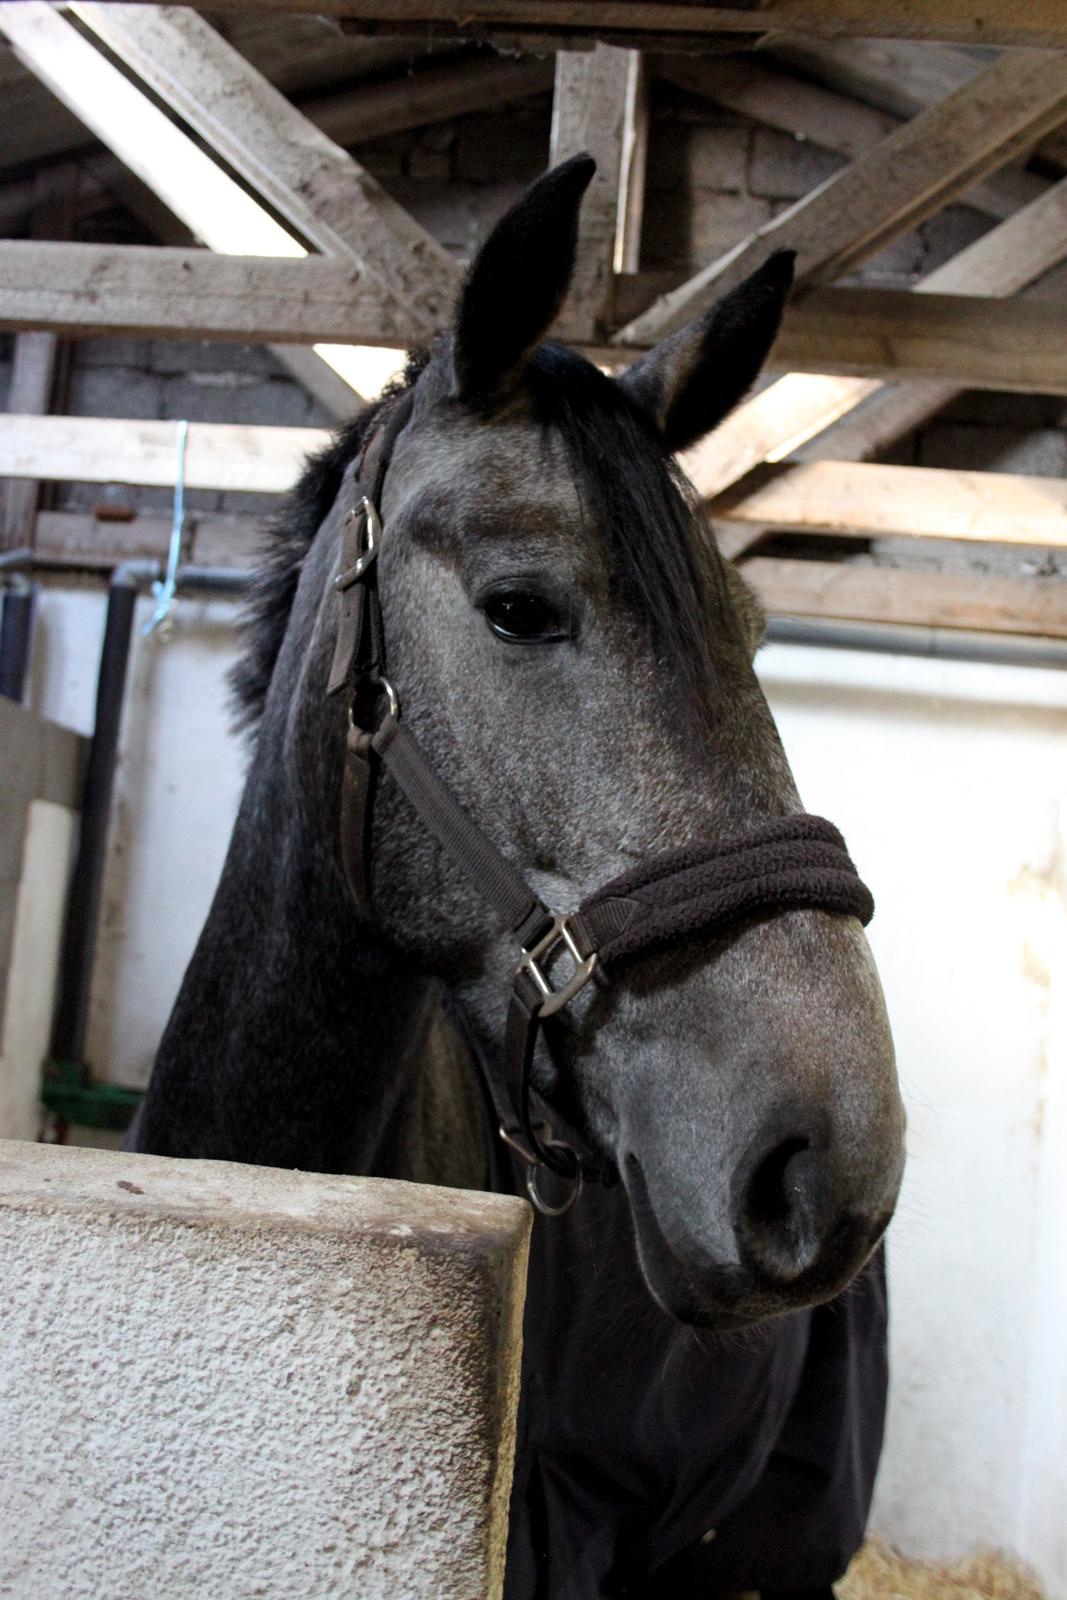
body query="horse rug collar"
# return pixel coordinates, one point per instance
(785, 863)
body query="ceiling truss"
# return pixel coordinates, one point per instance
(340, 263)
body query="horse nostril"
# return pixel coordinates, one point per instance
(777, 1220)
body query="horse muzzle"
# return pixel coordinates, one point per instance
(788, 1232)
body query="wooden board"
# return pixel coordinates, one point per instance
(119, 450)
(885, 193)
(594, 109)
(786, 416)
(1038, 22)
(849, 592)
(81, 289)
(752, 86)
(322, 193)
(865, 501)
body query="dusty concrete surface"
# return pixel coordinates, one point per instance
(223, 1382)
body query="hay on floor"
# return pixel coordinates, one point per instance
(878, 1573)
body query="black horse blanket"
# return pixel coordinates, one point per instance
(659, 1462)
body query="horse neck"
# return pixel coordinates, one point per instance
(299, 1038)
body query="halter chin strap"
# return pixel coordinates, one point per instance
(784, 864)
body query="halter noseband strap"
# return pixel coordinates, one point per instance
(784, 864)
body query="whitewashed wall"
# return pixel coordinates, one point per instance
(950, 782)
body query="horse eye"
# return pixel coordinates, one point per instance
(524, 618)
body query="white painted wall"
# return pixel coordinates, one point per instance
(950, 783)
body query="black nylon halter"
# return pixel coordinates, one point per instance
(786, 863)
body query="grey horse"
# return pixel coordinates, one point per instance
(575, 656)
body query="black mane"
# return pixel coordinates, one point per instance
(628, 485)
(672, 577)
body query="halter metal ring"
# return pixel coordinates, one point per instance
(534, 1167)
(372, 537)
(554, 1000)
(576, 1181)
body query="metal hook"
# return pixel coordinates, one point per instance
(163, 589)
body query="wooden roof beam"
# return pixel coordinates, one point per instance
(1038, 22)
(323, 194)
(886, 192)
(787, 415)
(600, 106)
(845, 591)
(753, 86)
(864, 501)
(86, 289)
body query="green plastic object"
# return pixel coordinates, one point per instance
(68, 1091)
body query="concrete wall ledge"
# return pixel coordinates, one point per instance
(229, 1381)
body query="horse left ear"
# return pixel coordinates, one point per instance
(689, 383)
(517, 283)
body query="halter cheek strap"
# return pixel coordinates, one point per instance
(786, 863)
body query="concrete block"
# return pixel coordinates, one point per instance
(1042, 453)
(119, 352)
(491, 150)
(114, 392)
(700, 157)
(949, 232)
(785, 168)
(686, 231)
(217, 396)
(31, 964)
(232, 1381)
(180, 356)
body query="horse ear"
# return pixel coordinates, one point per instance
(518, 282)
(689, 382)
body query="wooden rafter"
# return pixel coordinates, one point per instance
(1038, 22)
(322, 192)
(597, 108)
(864, 501)
(219, 455)
(850, 592)
(754, 87)
(784, 417)
(83, 289)
(887, 192)
(192, 187)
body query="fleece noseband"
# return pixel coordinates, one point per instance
(783, 864)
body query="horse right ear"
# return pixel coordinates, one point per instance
(517, 283)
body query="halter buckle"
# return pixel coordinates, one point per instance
(372, 538)
(530, 961)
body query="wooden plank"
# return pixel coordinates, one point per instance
(80, 540)
(320, 191)
(80, 289)
(751, 86)
(39, 363)
(887, 192)
(864, 501)
(593, 110)
(784, 417)
(1039, 22)
(976, 342)
(260, 460)
(850, 592)
(436, 94)
(165, 160)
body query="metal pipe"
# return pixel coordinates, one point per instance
(16, 638)
(942, 644)
(83, 907)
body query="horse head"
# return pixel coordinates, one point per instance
(576, 659)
